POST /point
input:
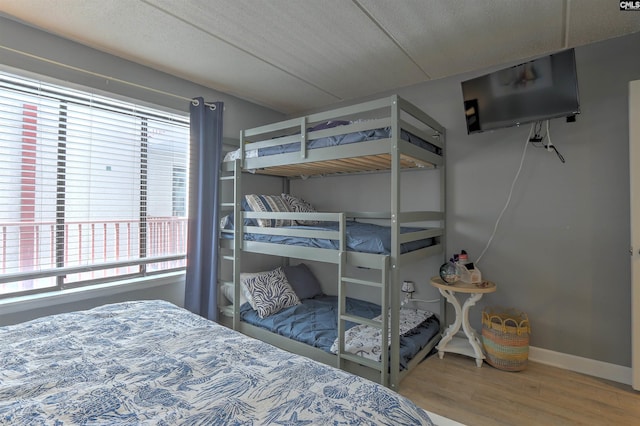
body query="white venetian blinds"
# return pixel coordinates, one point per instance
(91, 188)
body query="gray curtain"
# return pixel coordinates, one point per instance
(206, 155)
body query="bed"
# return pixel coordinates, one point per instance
(314, 320)
(369, 131)
(151, 362)
(388, 135)
(316, 142)
(361, 237)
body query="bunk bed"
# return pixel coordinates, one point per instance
(385, 135)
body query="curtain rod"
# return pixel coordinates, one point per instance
(95, 74)
(196, 102)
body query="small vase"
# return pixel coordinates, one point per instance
(449, 272)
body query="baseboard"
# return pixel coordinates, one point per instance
(603, 370)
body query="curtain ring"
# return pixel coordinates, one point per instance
(212, 107)
(195, 102)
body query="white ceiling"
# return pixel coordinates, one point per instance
(296, 55)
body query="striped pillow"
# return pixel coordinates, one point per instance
(269, 203)
(270, 292)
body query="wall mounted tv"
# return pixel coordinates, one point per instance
(537, 90)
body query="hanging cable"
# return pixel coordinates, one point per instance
(550, 146)
(513, 184)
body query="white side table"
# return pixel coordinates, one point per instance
(468, 343)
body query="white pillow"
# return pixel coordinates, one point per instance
(227, 291)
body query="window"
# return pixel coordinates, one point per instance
(179, 188)
(91, 188)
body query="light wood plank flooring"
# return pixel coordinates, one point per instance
(539, 395)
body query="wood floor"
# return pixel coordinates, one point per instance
(539, 395)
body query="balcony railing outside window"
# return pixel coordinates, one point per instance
(91, 243)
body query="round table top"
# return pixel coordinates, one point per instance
(462, 287)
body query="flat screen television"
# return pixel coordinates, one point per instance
(537, 90)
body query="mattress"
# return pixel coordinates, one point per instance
(360, 237)
(150, 362)
(345, 139)
(314, 322)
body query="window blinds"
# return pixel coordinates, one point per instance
(91, 188)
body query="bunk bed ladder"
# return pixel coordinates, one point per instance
(344, 316)
(233, 177)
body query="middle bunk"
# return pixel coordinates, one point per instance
(386, 135)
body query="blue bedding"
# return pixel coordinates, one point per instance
(314, 322)
(343, 139)
(361, 237)
(347, 139)
(152, 363)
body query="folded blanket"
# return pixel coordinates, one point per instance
(365, 340)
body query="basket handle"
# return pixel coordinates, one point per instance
(522, 326)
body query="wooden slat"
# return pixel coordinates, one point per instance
(347, 165)
(374, 155)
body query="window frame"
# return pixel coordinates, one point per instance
(66, 95)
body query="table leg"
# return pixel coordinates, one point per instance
(462, 321)
(453, 328)
(470, 332)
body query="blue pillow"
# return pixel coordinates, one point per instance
(302, 281)
(227, 221)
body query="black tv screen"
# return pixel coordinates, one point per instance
(537, 90)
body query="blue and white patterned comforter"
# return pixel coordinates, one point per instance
(150, 362)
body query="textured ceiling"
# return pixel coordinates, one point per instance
(296, 55)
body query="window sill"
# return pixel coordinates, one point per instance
(42, 300)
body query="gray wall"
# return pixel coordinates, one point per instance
(561, 252)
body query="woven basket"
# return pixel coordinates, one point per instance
(505, 336)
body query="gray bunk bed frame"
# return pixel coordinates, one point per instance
(391, 154)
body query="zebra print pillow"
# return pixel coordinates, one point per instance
(299, 205)
(270, 292)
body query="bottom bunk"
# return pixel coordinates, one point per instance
(309, 326)
(314, 322)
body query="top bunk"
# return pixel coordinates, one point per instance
(367, 137)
